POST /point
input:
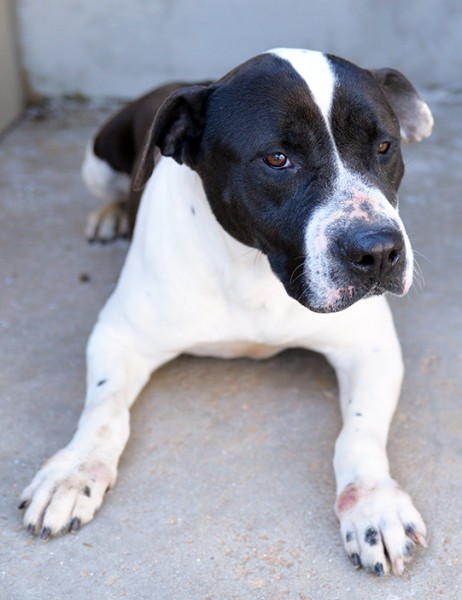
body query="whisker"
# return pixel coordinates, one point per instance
(257, 257)
(301, 295)
(247, 252)
(297, 268)
(421, 255)
(419, 277)
(301, 265)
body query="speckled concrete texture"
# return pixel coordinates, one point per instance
(226, 488)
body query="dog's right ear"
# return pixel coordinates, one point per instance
(414, 116)
(176, 130)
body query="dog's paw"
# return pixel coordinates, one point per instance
(108, 223)
(65, 493)
(379, 526)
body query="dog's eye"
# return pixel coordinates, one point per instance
(383, 147)
(278, 160)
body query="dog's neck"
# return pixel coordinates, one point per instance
(176, 189)
(191, 233)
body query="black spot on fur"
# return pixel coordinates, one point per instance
(358, 414)
(102, 382)
(349, 536)
(87, 491)
(371, 536)
(379, 570)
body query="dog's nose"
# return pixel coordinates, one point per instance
(373, 254)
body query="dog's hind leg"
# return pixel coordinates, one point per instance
(110, 221)
(71, 485)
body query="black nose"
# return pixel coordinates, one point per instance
(373, 254)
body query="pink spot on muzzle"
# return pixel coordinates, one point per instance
(362, 205)
(336, 295)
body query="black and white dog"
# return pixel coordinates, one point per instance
(269, 222)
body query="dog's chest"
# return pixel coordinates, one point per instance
(197, 287)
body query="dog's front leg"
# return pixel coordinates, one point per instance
(379, 524)
(70, 487)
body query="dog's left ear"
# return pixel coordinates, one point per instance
(414, 116)
(176, 131)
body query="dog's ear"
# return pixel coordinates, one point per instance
(414, 116)
(176, 131)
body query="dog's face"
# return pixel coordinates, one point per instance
(299, 154)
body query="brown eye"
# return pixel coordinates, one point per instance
(383, 147)
(277, 161)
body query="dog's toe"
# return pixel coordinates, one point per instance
(65, 494)
(108, 223)
(379, 526)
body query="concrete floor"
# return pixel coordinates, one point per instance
(226, 489)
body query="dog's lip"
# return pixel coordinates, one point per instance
(348, 296)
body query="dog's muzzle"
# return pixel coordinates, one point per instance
(356, 261)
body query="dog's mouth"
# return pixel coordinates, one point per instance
(335, 299)
(336, 291)
(338, 299)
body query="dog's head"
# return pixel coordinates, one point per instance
(299, 154)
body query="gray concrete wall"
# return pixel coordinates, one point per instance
(121, 48)
(11, 93)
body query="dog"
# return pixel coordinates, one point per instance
(268, 220)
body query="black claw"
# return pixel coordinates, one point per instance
(46, 533)
(75, 525)
(379, 570)
(31, 529)
(356, 560)
(24, 504)
(408, 549)
(410, 529)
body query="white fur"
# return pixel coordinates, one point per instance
(187, 286)
(315, 69)
(105, 183)
(425, 124)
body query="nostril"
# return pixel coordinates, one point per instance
(393, 257)
(365, 261)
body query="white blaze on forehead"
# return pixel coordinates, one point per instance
(316, 70)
